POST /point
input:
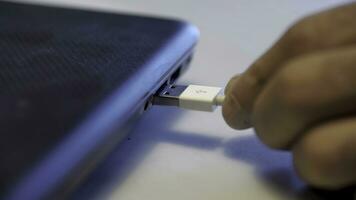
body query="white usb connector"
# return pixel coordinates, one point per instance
(192, 97)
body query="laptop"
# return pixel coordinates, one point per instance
(72, 84)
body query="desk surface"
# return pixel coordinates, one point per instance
(174, 154)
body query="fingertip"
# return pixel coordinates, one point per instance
(234, 115)
(231, 83)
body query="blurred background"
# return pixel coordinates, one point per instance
(174, 154)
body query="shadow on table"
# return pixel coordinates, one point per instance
(128, 155)
(273, 167)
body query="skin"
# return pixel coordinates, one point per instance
(301, 96)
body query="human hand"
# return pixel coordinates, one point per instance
(301, 96)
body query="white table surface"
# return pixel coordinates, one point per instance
(174, 154)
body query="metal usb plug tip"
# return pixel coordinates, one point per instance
(169, 95)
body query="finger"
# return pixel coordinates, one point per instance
(329, 29)
(233, 113)
(326, 155)
(308, 90)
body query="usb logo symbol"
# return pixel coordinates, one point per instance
(200, 91)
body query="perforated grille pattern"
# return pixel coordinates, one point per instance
(55, 65)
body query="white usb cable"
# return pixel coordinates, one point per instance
(192, 97)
